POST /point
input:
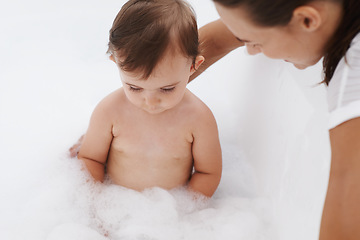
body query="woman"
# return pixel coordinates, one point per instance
(302, 32)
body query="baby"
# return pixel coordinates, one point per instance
(153, 131)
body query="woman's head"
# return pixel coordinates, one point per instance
(144, 30)
(298, 31)
(267, 12)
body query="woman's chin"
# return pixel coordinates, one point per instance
(300, 66)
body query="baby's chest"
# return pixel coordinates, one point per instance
(151, 141)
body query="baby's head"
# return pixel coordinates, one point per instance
(156, 41)
(144, 30)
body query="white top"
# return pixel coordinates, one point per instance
(344, 87)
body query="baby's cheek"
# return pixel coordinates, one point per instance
(177, 99)
(135, 100)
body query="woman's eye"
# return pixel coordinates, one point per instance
(253, 45)
(167, 89)
(135, 89)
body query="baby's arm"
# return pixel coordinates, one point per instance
(206, 152)
(97, 141)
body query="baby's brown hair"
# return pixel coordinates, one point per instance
(143, 31)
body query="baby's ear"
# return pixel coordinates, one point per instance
(198, 61)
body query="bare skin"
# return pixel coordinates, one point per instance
(341, 215)
(154, 132)
(74, 150)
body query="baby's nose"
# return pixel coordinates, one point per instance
(151, 99)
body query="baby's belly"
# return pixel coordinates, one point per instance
(141, 172)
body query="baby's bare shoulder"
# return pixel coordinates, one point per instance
(111, 104)
(196, 110)
(111, 101)
(201, 119)
(195, 105)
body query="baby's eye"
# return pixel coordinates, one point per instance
(168, 89)
(135, 89)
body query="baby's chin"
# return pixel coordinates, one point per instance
(155, 110)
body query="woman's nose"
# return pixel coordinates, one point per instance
(253, 49)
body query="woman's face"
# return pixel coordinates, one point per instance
(291, 42)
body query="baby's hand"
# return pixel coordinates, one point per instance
(74, 150)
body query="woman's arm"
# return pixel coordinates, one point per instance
(215, 42)
(341, 214)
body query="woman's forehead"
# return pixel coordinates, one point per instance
(240, 24)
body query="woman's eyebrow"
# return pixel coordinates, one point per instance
(241, 40)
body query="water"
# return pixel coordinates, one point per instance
(272, 121)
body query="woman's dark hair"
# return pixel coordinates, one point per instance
(279, 13)
(144, 30)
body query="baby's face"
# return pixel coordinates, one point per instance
(165, 87)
